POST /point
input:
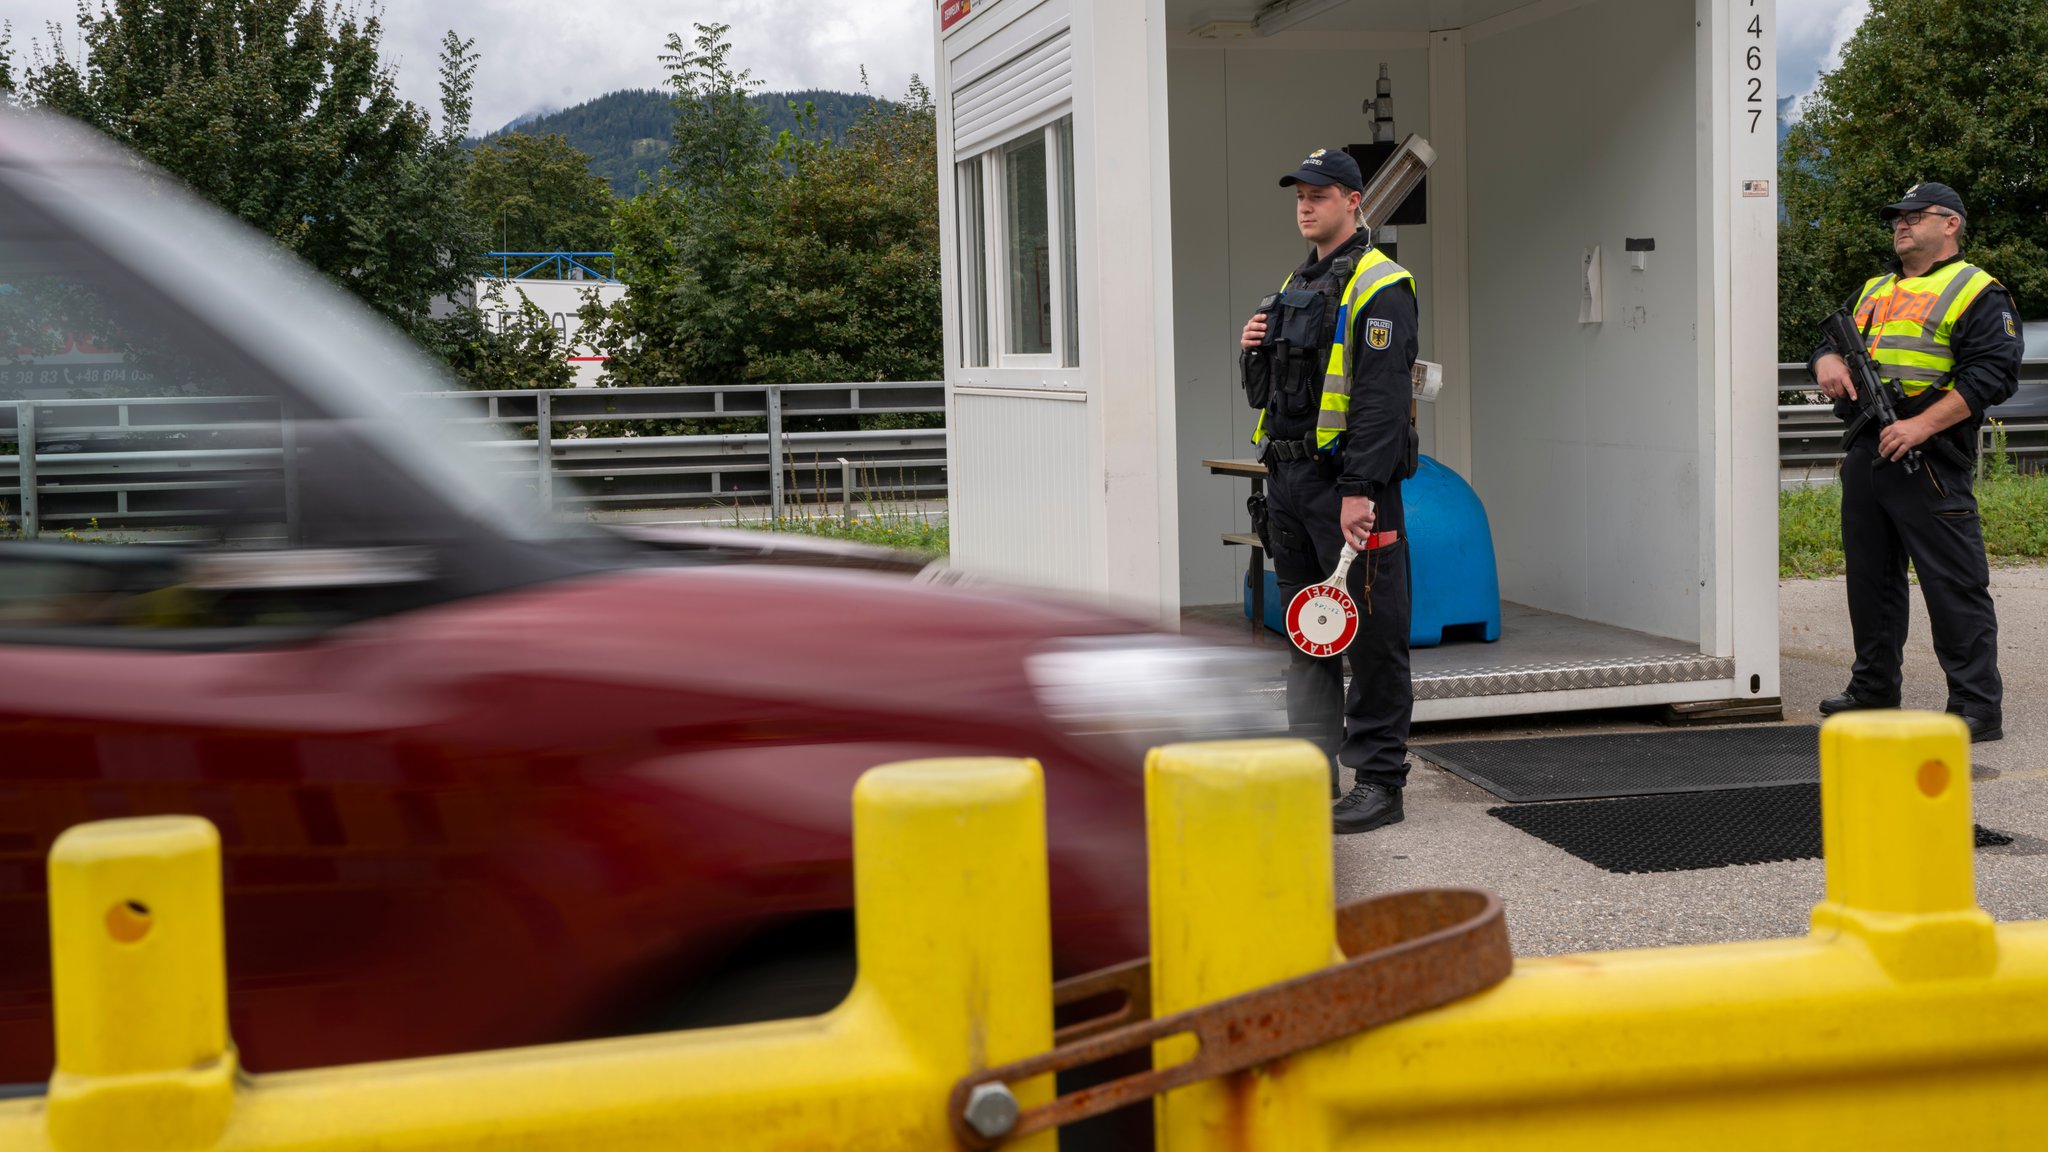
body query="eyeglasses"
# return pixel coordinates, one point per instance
(1913, 219)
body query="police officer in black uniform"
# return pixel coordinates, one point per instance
(1943, 334)
(1327, 361)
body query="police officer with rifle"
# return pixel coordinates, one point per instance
(1924, 349)
(1327, 362)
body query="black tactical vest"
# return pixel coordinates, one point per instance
(1284, 374)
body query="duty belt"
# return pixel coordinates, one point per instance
(1304, 449)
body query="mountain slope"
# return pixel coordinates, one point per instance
(628, 132)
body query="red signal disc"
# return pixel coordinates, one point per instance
(1322, 620)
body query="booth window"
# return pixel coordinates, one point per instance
(1027, 220)
(973, 268)
(1070, 294)
(1018, 249)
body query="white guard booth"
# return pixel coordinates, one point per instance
(1111, 216)
(499, 298)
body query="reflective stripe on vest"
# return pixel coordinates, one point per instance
(1335, 416)
(1335, 408)
(1908, 323)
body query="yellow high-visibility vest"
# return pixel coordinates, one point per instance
(1908, 322)
(1374, 272)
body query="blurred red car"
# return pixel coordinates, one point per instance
(483, 778)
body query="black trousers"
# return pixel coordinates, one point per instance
(1930, 516)
(1367, 728)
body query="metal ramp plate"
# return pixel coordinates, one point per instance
(1541, 651)
(1561, 676)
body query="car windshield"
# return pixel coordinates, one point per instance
(178, 375)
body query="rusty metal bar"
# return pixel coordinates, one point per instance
(1133, 979)
(1406, 952)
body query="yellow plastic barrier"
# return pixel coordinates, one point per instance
(955, 975)
(1906, 1019)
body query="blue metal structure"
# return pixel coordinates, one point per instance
(559, 264)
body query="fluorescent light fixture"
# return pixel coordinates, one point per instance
(1287, 13)
(1223, 30)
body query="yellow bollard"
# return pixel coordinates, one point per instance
(947, 847)
(1240, 843)
(143, 1057)
(1905, 1019)
(955, 975)
(1896, 829)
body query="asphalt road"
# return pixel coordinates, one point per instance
(1558, 903)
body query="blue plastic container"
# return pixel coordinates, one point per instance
(1453, 583)
(1276, 608)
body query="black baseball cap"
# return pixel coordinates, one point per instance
(1929, 195)
(1327, 166)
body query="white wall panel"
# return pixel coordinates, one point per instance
(1125, 222)
(1210, 413)
(1586, 438)
(1241, 120)
(1020, 490)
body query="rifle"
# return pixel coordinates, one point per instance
(1873, 395)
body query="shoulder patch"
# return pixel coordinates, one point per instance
(2011, 329)
(1380, 333)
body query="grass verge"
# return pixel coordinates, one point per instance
(909, 531)
(885, 513)
(2013, 506)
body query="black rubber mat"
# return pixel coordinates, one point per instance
(1634, 763)
(1683, 831)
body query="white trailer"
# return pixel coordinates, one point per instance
(1111, 216)
(500, 298)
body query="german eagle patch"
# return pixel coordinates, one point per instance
(1378, 334)
(2010, 330)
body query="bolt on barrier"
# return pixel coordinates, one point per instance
(955, 974)
(1906, 1018)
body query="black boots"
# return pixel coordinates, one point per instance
(1847, 701)
(1366, 807)
(1981, 729)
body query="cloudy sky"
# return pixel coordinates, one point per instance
(547, 53)
(1810, 38)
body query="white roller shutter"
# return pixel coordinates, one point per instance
(1013, 93)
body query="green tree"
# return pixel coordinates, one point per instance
(682, 243)
(283, 113)
(1946, 90)
(526, 352)
(759, 258)
(537, 194)
(854, 238)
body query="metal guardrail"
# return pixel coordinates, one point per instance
(240, 445)
(152, 461)
(1810, 438)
